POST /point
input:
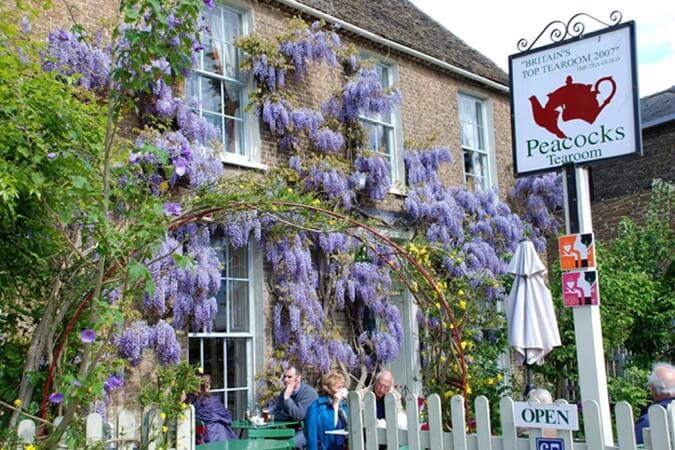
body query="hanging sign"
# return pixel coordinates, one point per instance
(576, 251)
(580, 288)
(576, 101)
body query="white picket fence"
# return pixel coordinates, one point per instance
(123, 433)
(660, 435)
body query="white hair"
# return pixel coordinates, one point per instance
(661, 383)
(541, 395)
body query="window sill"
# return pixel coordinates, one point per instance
(234, 160)
(398, 192)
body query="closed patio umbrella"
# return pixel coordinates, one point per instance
(533, 328)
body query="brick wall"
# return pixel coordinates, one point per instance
(623, 177)
(622, 188)
(429, 111)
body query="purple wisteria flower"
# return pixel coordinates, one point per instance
(51, 155)
(56, 398)
(476, 228)
(88, 336)
(68, 54)
(172, 209)
(25, 25)
(113, 382)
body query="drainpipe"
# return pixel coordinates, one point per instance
(394, 45)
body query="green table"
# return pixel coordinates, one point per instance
(246, 425)
(246, 444)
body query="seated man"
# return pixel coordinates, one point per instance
(292, 403)
(661, 383)
(383, 385)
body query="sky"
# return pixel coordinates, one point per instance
(494, 28)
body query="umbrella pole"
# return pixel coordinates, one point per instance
(528, 385)
(528, 372)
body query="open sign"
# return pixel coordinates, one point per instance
(546, 415)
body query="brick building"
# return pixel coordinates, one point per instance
(453, 97)
(623, 188)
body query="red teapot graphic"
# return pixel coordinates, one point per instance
(575, 101)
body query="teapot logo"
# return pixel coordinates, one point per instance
(574, 101)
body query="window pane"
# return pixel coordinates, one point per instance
(373, 142)
(211, 95)
(386, 137)
(220, 323)
(475, 170)
(466, 109)
(239, 306)
(236, 363)
(192, 87)
(232, 99)
(213, 361)
(232, 26)
(469, 138)
(236, 403)
(230, 61)
(468, 162)
(216, 120)
(194, 355)
(211, 55)
(232, 136)
(238, 260)
(479, 125)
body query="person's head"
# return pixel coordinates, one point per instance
(332, 382)
(204, 385)
(292, 376)
(661, 381)
(540, 395)
(384, 383)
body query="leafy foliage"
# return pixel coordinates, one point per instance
(638, 301)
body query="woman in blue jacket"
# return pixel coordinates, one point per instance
(327, 413)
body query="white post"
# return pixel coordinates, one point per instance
(587, 326)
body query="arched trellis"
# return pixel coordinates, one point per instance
(209, 214)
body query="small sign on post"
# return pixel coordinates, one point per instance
(550, 444)
(580, 288)
(576, 251)
(577, 256)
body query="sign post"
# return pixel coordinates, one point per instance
(574, 103)
(587, 326)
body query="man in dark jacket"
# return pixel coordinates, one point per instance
(292, 403)
(661, 383)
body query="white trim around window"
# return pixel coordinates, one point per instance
(477, 140)
(387, 128)
(235, 352)
(221, 88)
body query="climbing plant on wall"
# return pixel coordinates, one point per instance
(130, 265)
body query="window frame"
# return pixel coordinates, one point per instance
(250, 142)
(254, 336)
(397, 173)
(487, 136)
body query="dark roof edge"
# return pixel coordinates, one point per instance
(658, 121)
(395, 45)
